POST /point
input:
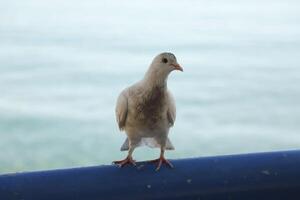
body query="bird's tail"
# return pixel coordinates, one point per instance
(169, 145)
(125, 146)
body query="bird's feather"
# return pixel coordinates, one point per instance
(171, 112)
(125, 145)
(121, 110)
(150, 142)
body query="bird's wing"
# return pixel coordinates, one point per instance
(121, 110)
(171, 113)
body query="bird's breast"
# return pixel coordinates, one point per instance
(150, 107)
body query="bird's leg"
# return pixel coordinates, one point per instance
(128, 160)
(162, 160)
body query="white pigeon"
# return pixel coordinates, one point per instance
(146, 110)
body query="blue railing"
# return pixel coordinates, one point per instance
(274, 175)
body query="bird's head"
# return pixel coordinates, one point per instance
(165, 63)
(161, 66)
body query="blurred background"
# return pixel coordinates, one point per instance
(63, 64)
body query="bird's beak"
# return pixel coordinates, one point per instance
(177, 67)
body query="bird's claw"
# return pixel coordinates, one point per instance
(161, 161)
(127, 160)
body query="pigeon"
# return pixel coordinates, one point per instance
(146, 111)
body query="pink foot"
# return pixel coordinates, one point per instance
(160, 161)
(128, 160)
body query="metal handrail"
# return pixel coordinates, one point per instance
(272, 175)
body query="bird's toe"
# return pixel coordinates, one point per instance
(161, 161)
(126, 161)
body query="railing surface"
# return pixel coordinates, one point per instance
(273, 175)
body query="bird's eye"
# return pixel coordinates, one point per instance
(164, 60)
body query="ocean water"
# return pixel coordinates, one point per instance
(63, 64)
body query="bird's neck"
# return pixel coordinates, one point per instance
(154, 79)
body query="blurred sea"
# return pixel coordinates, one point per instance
(63, 64)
